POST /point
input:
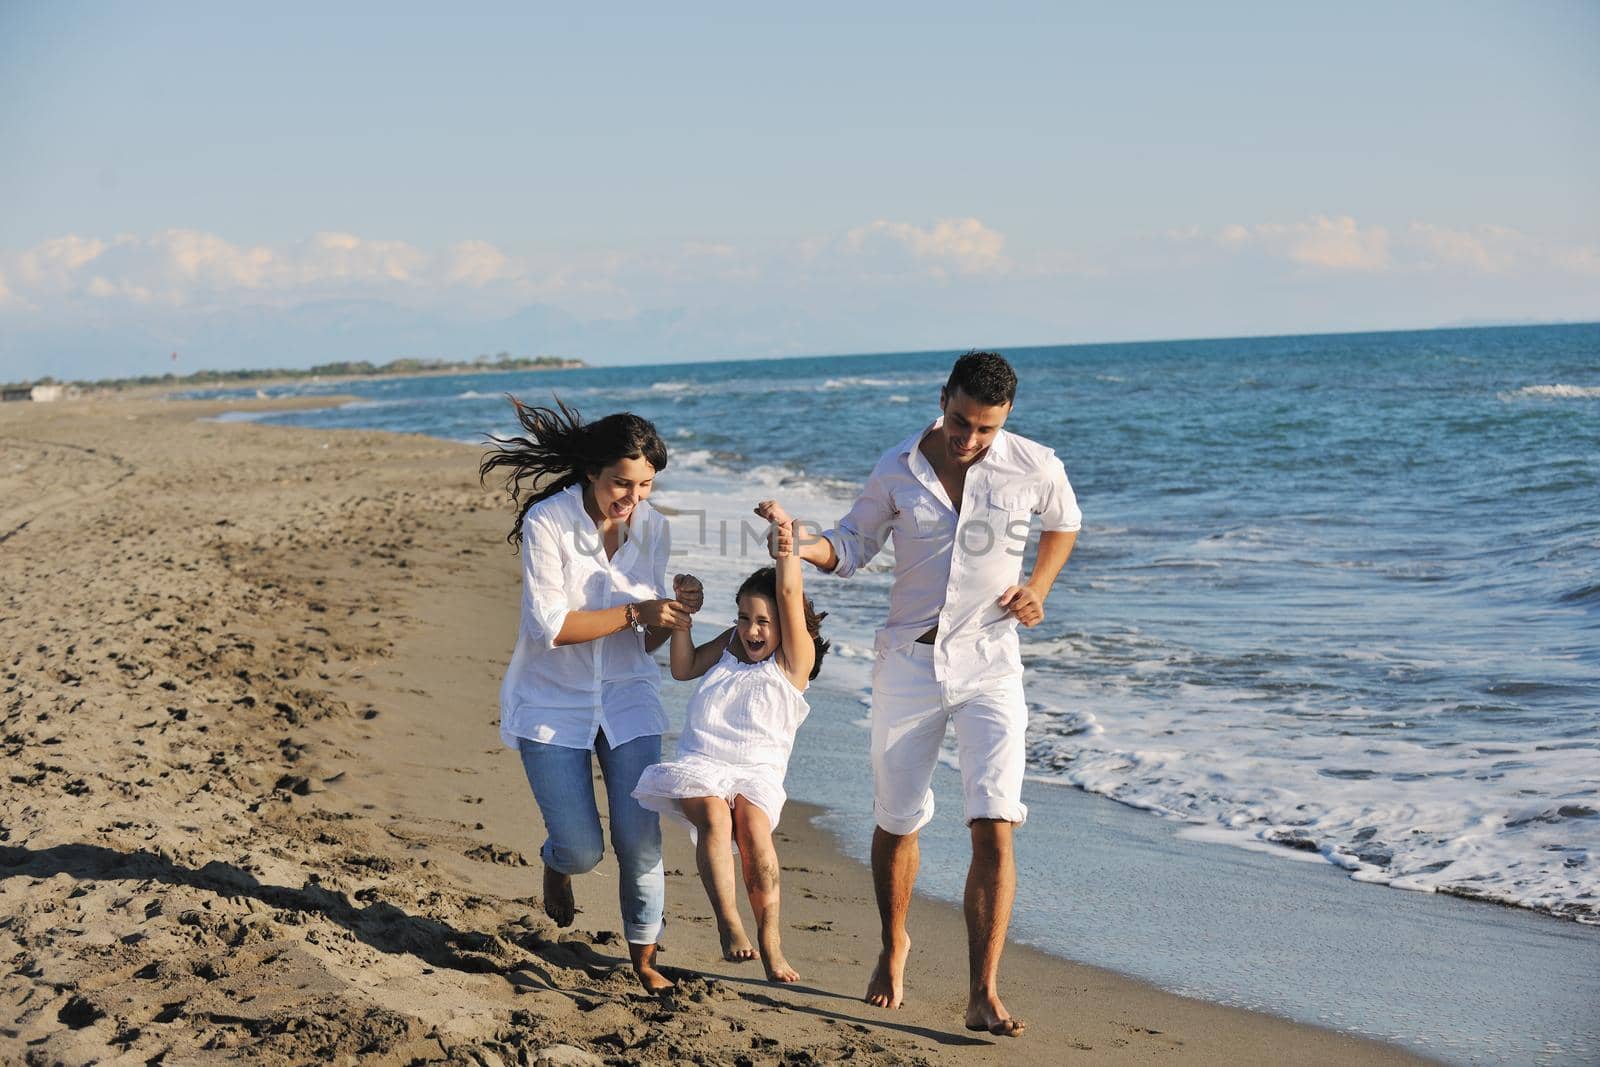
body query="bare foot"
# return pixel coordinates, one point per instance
(558, 902)
(985, 1012)
(886, 988)
(736, 947)
(644, 967)
(778, 969)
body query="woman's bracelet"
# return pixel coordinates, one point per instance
(630, 616)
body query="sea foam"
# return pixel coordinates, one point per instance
(1558, 392)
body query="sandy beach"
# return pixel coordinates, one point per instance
(255, 804)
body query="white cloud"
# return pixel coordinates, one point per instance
(1491, 249)
(1342, 245)
(187, 267)
(194, 269)
(1582, 260)
(1339, 244)
(332, 258)
(477, 263)
(959, 246)
(681, 263)
(193, 258)
(1230, 237)
(130, 277)
(52, 263)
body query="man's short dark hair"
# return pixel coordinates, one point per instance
(984, 376)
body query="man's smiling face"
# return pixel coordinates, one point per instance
(969, 425)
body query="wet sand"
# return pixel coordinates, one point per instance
(255, 803)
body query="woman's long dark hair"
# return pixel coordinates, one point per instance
(764, 582)
(559, 449)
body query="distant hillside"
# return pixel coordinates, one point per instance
(343, 369)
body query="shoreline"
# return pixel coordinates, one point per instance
(260, 805)
(95, 392)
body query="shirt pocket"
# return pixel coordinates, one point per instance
(928, 520)
(1010, 513)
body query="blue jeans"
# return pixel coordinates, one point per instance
(564, 790)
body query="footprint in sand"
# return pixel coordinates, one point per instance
(494, 854)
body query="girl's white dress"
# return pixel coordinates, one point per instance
(736, 739)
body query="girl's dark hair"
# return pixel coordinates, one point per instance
(764, 582)
(560, 449)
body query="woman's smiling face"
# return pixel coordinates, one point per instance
(617, 489)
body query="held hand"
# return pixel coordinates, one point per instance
(773, 512)
(780, 542)
(688, 591)
(663, 614)
(780, 539)
(1023, 603)
(781, 536)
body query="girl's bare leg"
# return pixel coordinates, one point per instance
(754, 832)
(713, 855)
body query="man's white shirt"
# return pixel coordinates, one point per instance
(950, 568)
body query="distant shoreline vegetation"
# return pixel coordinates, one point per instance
(360, 368)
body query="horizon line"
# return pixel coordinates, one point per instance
(469, 370)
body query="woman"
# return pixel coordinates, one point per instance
(595, 604)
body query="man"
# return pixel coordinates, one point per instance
(956, 498)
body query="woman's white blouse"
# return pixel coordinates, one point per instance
(562, 695)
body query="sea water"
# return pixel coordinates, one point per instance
(1337, 597)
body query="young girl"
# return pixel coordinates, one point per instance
(727, 779)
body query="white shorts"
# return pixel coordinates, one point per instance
(910, 709)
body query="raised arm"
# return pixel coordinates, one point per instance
(811, 546)
(858, 536)
(799, 652)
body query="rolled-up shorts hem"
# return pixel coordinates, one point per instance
(902, 825)
(1004, 811)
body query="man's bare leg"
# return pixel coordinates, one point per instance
(713, 855)
(991, 889)
(895, 858)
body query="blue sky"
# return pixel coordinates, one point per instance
(286, 186)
